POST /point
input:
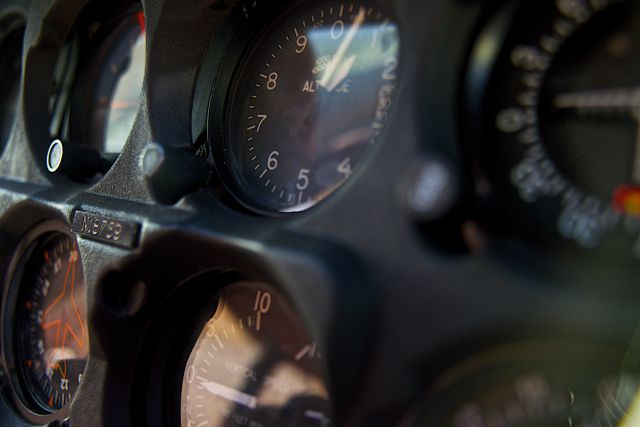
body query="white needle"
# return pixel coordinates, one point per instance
(341, 73)
(342, 49)
(600, 100)
(623, 99)
(230, 394)
(315, 415)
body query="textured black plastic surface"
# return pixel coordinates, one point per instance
(389, 306)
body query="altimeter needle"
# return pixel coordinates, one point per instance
(342, 50)
(622, 100)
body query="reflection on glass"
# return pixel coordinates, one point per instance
(312, 98)
(254, 365)
(619, 402)
(98, 81)
(126, 95)
(106, 70)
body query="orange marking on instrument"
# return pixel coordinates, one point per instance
(63, 369)
(67, 329)
(28, 305)
(46, 256)
(29, 362)
(51, 400)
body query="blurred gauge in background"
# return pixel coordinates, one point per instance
(11, 38)
(559, 116)
(98, 82)
(533, 385)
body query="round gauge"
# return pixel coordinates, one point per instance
(561, 118)
(97, 84)
(105, 103)
(508, 388)
(10, 74)
(50, 327)
(254, 365)
(310, 98)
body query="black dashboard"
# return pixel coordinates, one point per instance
(278, 213)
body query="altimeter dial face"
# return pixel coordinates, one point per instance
(310, 100)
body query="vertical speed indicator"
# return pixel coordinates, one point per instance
(310, 98)
(254, 364)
